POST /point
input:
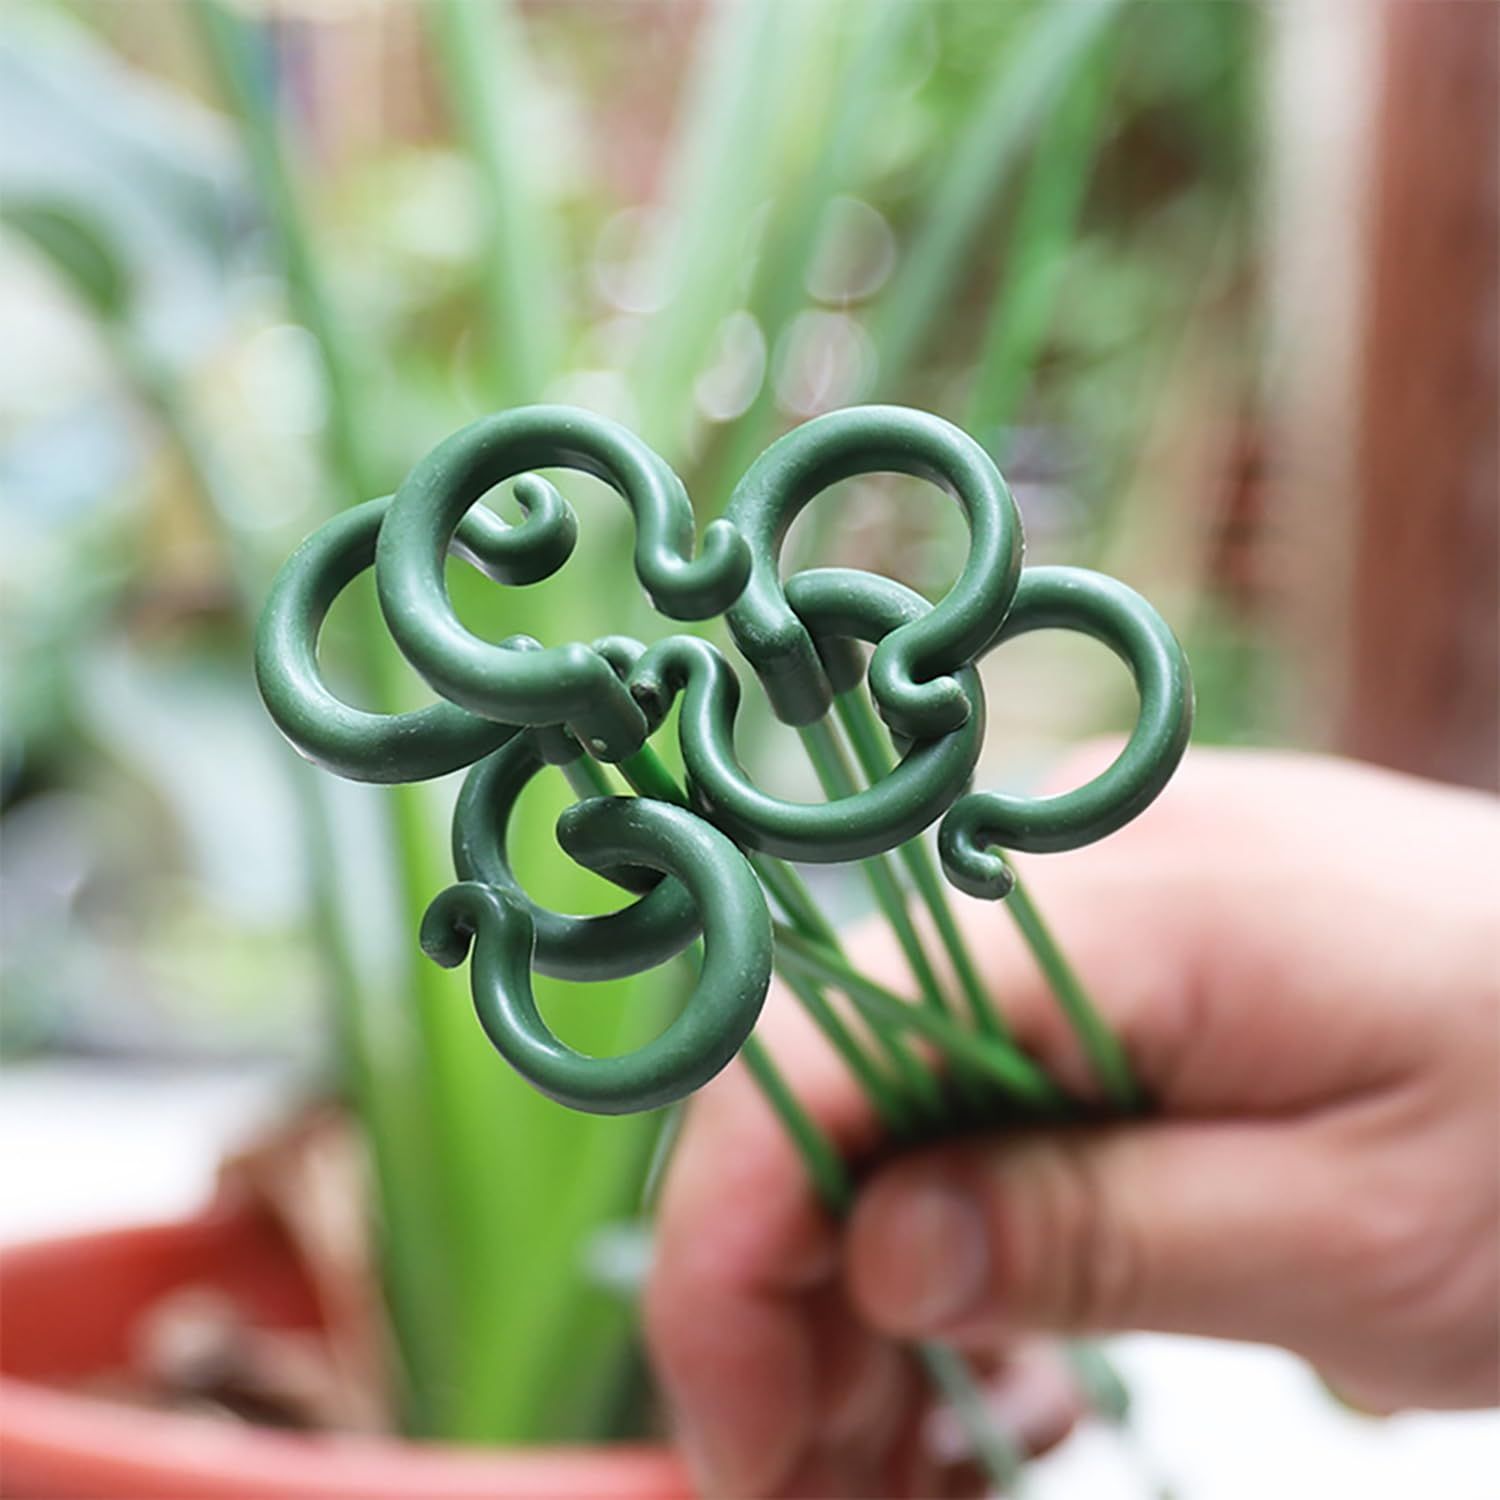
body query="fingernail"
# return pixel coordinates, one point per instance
(920, 1255)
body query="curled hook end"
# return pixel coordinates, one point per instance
(971, 863)
(915, 710)
(700, 588)
(526, 553)
(683, 663)
(622, 652)
(455, 917)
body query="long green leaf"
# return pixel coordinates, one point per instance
(855, 92)
(481, 51)
(1036, 251)
(435, 1118)
(1025, 86)
(737, 102)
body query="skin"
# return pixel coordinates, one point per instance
(1302, 957)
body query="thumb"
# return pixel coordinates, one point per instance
(1192, 1227)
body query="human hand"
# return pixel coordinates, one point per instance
(1302, 958)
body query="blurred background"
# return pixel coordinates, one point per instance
(1215, 282)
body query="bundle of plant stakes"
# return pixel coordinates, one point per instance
(881, 684)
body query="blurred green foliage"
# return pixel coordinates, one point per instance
(268, 261)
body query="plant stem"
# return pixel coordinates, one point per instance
(870, 748)
(246, 79)
(452, 1113)
(855, 91)
(977, 167)
(1007, 1066)
(733, 110)
(1042, 230)
(404, 1242)
(1100, 1045)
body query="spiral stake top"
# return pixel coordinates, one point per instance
(695, 859)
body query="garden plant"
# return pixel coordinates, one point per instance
(705, 853)
(1003, 301)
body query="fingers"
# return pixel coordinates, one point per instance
(1239, 1231)
(743, 1248)
(1229, 922)
(866, 1382)
(1195, 1224)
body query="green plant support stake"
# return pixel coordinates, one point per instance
(718, 1017)
(912, 673)
(699, 859)
(1095, 605)
(566, 684)
(930, 777)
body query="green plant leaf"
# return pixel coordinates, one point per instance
(78, 251)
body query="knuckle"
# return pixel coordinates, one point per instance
(1080, 1254)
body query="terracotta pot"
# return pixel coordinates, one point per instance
(69, 1309)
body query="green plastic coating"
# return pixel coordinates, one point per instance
(568, 684)
(512, 707)
(840, 603)
(348, 741)
(912, 674)
(640, 936)
(1096, 605)
(717, 1017)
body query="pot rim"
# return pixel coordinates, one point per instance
(57, 1442)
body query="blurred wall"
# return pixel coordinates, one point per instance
(1387, 547)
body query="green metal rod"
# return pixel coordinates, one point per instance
(1100, 1045)
(791, 892)
(797, 906)
(647, 773)
(837, 780)
(920, 1096)
(1102, 1048)
(1021, 1078)
(818, 1155)
(814, 949)
(588, 778)
(949, 1373)
(894, 1107)
(869, 742)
